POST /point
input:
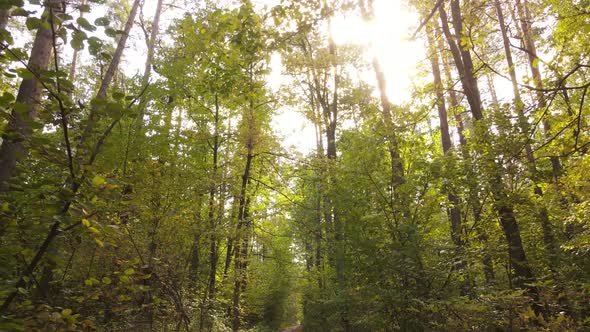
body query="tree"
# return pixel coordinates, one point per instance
(29, 96)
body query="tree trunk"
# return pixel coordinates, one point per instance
(454, 211)
(18, 130)
(151, 47)
(4, 15)
(502, 204)
(473, 198)
(531, 51)
(73, 66)
(110, 73)
(240, 249)
(213, 250)
(152, 44)
(543, 213)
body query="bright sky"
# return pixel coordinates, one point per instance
(387, 35)
(399, 57)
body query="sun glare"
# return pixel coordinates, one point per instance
(387, 37)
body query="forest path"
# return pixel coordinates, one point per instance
(298, 328)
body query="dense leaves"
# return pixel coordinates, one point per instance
(168, 201)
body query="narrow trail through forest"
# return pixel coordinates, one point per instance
(438, 180)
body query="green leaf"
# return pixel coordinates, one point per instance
(78, 38)
(33, 23)
(84, 24)
(6, 99)
(102, 21)
(114, 110)
(94, 45)
(106, 280)
(129, 271)
(91, 282)
(118, 95)
(20, 12)
(84, 8)
(110, 32)
(21, 108)
(24, 73)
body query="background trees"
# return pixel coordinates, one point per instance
(166, 200)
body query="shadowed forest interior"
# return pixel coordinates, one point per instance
(289, 165)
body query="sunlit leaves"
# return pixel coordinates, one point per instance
(84, 24)
(78, 38)
(102, 21)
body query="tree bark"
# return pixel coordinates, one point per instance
(152, 44)
(213, 250)
(4, 15)
(454, 211)
(533, 61)
(502, 203)
(74, 64)
(243, 224)
(241, 242)
(543, 213)
(110, 73)
(473, 200)
(18, 130)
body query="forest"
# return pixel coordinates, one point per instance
(148, 181)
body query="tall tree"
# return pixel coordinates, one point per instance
(107, 79)
(543, 214)
(504, 208)
(30, 93)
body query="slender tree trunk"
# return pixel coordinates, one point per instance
(145, 79)
(320, 192)
(4, 16)
(213, 250)
(110, 73)
(151, 47)
(195, 263)
(543, 214)
(243, 224)
(114, 65)
(454, 211)
(18, 130)
(241, 244)
(504, 208)
(74, 64)
(533, 61)
(230, 243)
(473, 199)
(462, 59)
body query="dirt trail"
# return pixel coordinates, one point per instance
(297, 328)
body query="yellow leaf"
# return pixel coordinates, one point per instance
(86, 222)
(99, 242)
(98, 181)
(66, 312)
(93, 230)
